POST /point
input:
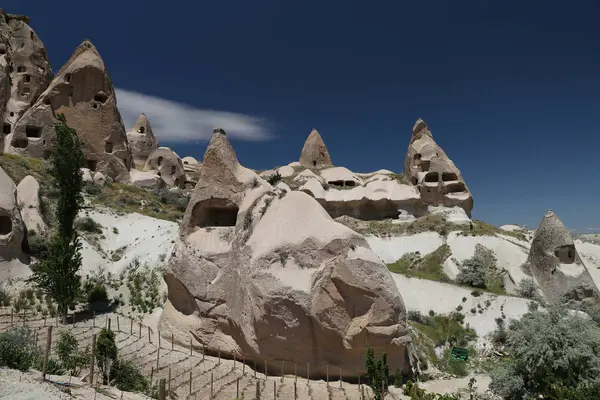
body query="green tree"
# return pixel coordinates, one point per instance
(70, 357)
(377, 372)
(554, 354)
(106, 353)
(57, 273)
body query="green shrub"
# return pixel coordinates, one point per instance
(176, 198)
(429, 266)
(398, 379)
(18, 349)
(274, 179)
(143, 284)
(97, 294)
(550, 350)
(106, 353)
(128, 377)
(527, 289)
(38, 246)
(377, 372)
(92, 188)
(87, 224)
(419, 318)
(447, 329)
(69, 356)
(5, 297)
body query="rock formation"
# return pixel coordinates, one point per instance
(168, 166)
(429, 169)
(83, 92)
(314, 153)
(268, 274)
(12, 228)
(29, 203)
(24, 68)
(142, 141)
(557, 267)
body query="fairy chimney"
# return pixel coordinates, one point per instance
(141, 141)
(429, 169)
(83, 92)
(314, 153)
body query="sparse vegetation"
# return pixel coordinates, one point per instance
(18, 349)
(481, 271)
(527, 289)
(69, 356)
(428, 267)
(143, 284)
(274, 179)
(377, 372)
(554, 354)
(87, 224)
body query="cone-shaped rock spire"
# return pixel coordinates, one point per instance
(428, 167)
(83, 92)
(556, 266)
(314, 153)
(141, 140)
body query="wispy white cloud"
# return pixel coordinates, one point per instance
(173, 121)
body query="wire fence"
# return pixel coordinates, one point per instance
(188, 371)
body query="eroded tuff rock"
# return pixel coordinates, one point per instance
(168, 166)
(83, 92)
(141, 141)
(268, 274)
(427, 167)
(314, 153)
(25, 71)
(29, 203)
(12, 228)
(557, 267)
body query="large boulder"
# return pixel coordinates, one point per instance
(267, 274)
(314, 153)
(142, 141)
(24, 60)
(29, 203)
(83, 92)
(12, 228)
(428, 168)
(168, 166)
(556, 265)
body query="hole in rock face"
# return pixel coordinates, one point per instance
(214, 212)
(108, 147)
(432, 177)
(349, 183)
(27, 78)
(12, 114)
(566, 254)
(141, 129)
(417, 160)
(25, 91)
(185, 163)
(94, 105)
(47, 100)
(91, 164)
(20, 143)
(2, 49)
(31, 35)
(5, 225)
(21, 68)
(336, 183)
(425, 164)
(173, 169)
(100, 97)
(159, 161)
(314, 163)
(456, 188)
(32, 131)
(449, 176)
(6, 128)
(68, 78)
(413, 180)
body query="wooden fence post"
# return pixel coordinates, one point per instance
(257, 390)
(47, 353)
(108, 324)
(162, 395)
(92, 360)
(93, 319)
(140, 326)
(327, 373)
(169, 379)
(157, 357)
(307, 373)
(149, 337)
(11, 318)
(158, 334)
(118, 326)
(211, 386)
(172, 341)
(237, 388)
(274, 389)
(190, 382)
(234, 360)
(131, 327)
(151, 375)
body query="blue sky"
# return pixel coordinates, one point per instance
(510, 90)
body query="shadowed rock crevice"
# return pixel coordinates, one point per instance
(214, 212)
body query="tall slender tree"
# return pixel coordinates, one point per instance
(57, 274)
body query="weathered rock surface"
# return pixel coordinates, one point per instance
(141, 141)
(557, 267)
(314, 153)
(24, 61)
(146, 179)
(168, 166)
(12, 228)
(83, 92)
(29, 203)
(375, 197)
(268, 274)
(428, 168)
